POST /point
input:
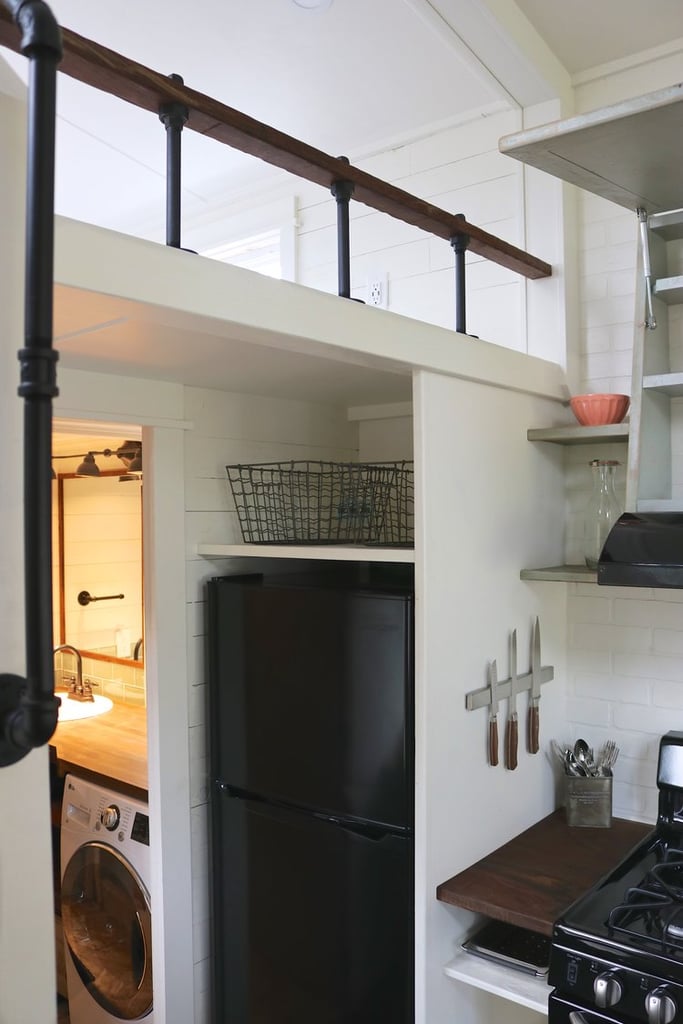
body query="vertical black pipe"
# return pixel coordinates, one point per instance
(342, 192)
(28, 708)
(173, 116)
(459, 243)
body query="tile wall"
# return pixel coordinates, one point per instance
(625, 668)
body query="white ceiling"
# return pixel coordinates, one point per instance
(349, 79)
(587, 33)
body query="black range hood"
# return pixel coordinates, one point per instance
(644, 549)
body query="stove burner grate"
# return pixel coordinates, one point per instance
(653, 910)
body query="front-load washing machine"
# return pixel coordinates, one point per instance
(106, 912)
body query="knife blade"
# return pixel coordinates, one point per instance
(535, 694)
(493, 715)
(512, 728)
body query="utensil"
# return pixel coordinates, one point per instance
(493, 715)
(607, 757)
(574, 767)
(512, 729)
(584, 755)
(535, 692)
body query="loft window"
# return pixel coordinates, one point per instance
(260, 252)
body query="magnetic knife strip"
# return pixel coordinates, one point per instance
(482, 698)
(492, 694)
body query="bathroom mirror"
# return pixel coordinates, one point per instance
(97, 542)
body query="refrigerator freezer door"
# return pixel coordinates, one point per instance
(310, 693)
(313, 923)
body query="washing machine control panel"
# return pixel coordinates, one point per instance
(111, 816)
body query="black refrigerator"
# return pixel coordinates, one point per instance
(311, 796)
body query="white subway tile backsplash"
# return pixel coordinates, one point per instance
(646, 613)
(668, 641)
(669, 695)
(583, 711)
(647, 666)
(633, 716)
(590, 661)
(589, 609)
(605, 637)
(611, 687)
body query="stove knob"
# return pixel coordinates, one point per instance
(607, 989)
(111, 817)
(660, 1005)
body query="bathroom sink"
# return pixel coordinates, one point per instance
(74, 710)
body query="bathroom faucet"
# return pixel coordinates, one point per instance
(77, 691)
(138, 647)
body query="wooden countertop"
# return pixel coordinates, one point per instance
(112, 746)
(538, 874)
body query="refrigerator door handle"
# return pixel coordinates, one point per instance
(375, 833)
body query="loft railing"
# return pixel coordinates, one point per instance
(110, 72)
(28, 707)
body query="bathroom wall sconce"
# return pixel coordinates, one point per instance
(130, 453)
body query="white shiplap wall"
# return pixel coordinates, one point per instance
(231, 428)
(460, 170)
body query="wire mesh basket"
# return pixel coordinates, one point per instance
(365, 503)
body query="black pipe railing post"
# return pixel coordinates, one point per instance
(459, 244)
(342, 192)
(174, 116)
(28, 707)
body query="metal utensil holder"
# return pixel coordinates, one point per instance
(588, 801)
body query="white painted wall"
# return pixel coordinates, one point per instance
(100, 399)
(491, 504)
(27, 963)
(460, 170)
(103, 555)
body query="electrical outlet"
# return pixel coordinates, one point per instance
(377, 291)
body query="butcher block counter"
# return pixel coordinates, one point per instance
(538, 874)
(110, 748)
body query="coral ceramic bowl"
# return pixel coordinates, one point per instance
(596, 410)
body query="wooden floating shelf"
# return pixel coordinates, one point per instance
(322, 552)
(561, 574)
(575, 434)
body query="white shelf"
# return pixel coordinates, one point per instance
(505, 982)
(670, 290)
(322, 552)
(667, 383)
(630, 153)
(573, 434)
(561, 574)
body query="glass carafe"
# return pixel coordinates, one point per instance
(602, 510)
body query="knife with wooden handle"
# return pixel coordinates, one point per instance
(535, 695)
(493, 715)
(512, 728)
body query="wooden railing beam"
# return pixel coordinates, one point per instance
(104, 69)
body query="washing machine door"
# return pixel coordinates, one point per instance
(108, 929)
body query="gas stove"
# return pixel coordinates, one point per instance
(617, 953)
